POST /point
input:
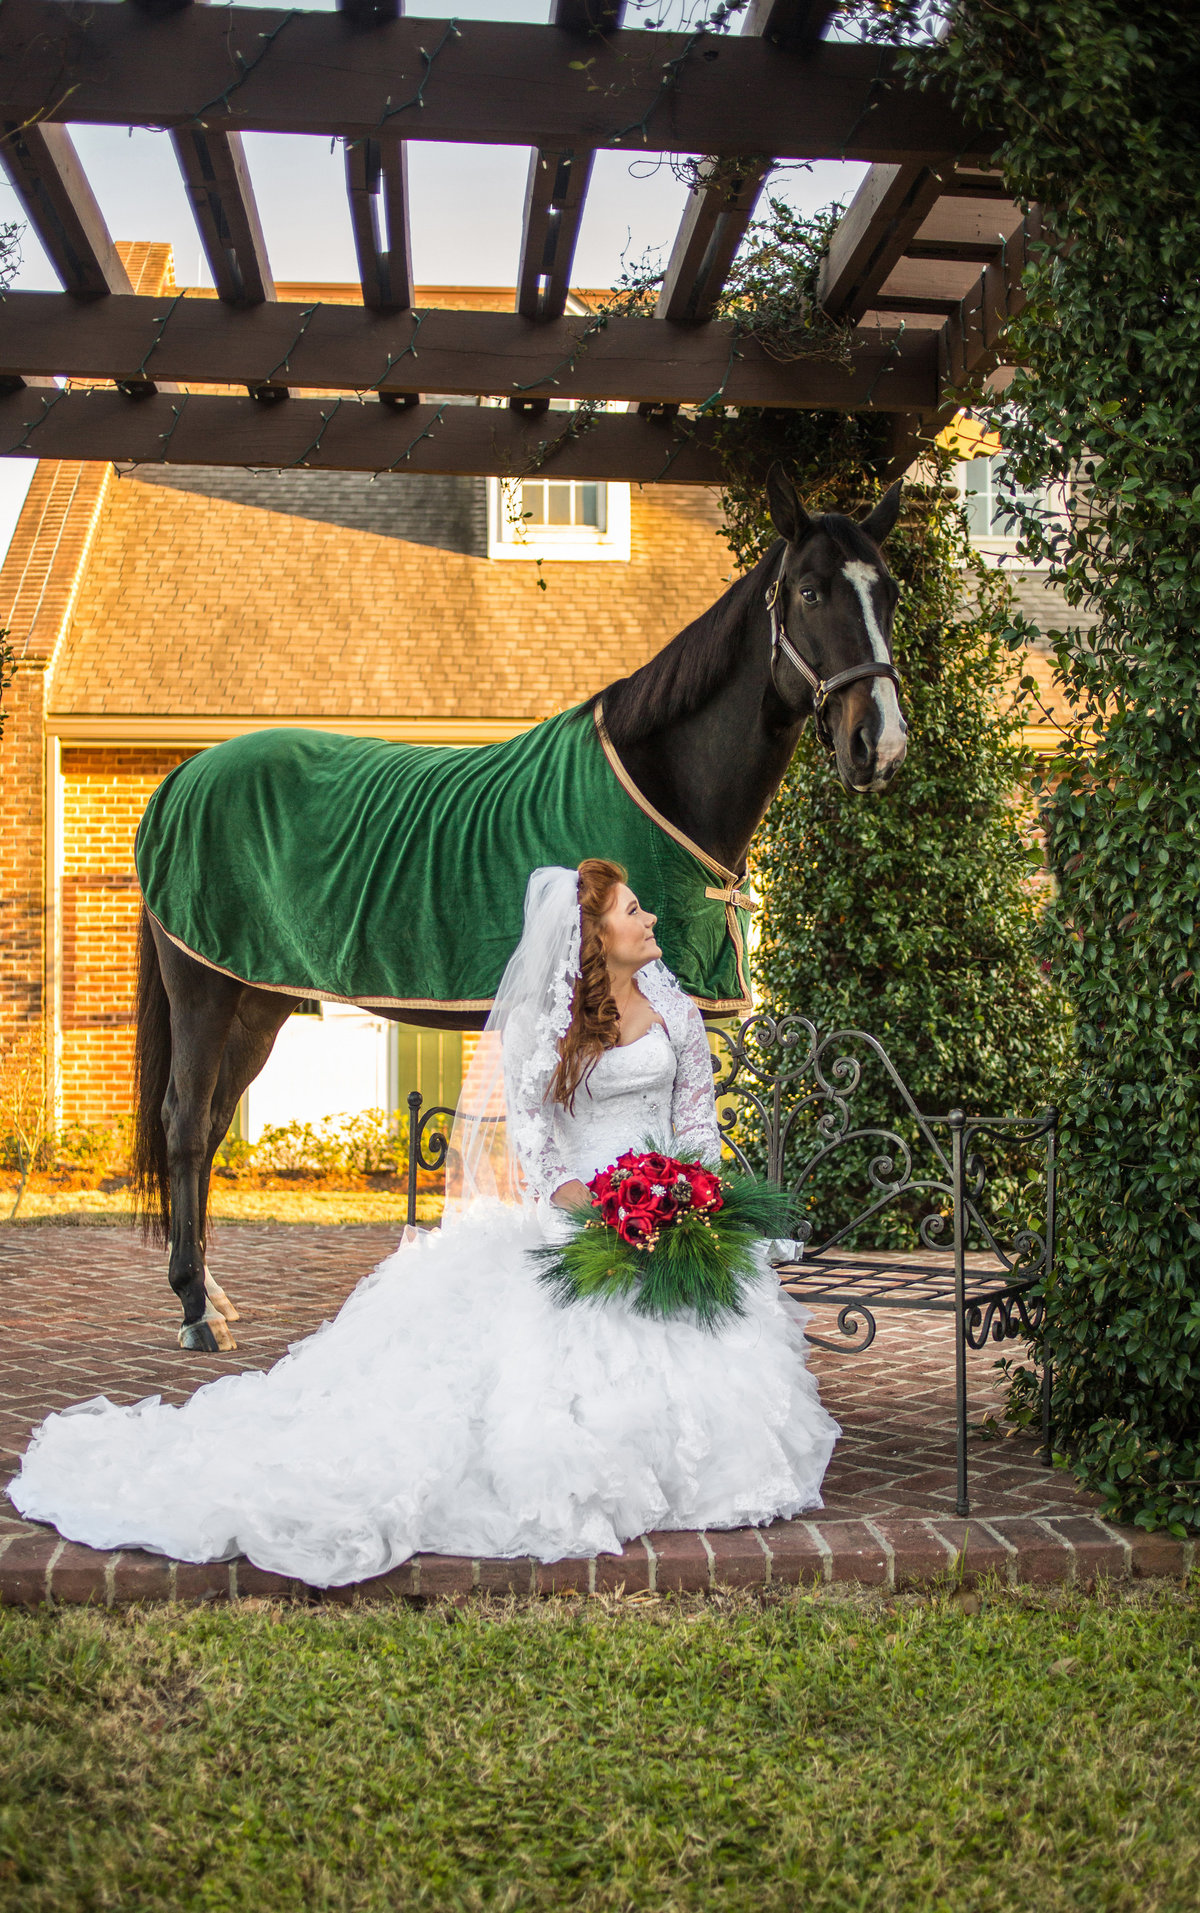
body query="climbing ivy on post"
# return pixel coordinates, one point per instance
(1098, 100)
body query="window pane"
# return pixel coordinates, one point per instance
(533, 503)
(587, 510)
(976, 483)
(558, 504)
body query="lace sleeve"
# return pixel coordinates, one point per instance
(530, 1057)
(693, 1104)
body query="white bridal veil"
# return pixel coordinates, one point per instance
(502, 1112)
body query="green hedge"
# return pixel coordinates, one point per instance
(1100, 105)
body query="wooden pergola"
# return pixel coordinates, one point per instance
(925, 266)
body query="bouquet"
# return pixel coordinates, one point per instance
(677, 1236)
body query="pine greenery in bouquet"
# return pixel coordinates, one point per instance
(675, 1236)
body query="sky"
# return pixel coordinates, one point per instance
(465, 203)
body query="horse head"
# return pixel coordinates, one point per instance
(831, 600)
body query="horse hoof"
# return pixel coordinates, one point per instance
(198, 1337)
(219, 1299)
(220, 1330)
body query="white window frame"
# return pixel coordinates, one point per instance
(994, 547)
(509, 538)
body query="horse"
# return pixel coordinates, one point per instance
(705, 730)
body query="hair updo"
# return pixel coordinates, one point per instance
(595, 1022)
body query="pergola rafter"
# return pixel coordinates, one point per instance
(377, 190)
(48, 179)
(924, 268)
(558, 181)
(720, 210)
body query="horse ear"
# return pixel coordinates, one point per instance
(881, 518)
(788, 515)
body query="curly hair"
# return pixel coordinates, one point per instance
(595, 1023)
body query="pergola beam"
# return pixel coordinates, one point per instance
(252, 69)
(965, 229)
(472, 354)
(217, 179)
(99, 424)
(377, 188)
(720, 209)
(377, 191)
(971, 340)
(794, 26)
(554, 199)
(875, 232)
(53, 188)
(557, 185)
(711, 230)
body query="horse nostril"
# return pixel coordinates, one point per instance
(862, 745)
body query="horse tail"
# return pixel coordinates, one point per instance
(151, 1075)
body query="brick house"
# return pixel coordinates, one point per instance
(157, 611)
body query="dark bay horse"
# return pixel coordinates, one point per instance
(706, 730)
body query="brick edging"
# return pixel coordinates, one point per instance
(40, 1569)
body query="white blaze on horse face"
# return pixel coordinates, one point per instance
(890, 749)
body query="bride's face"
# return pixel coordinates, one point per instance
(628, 932)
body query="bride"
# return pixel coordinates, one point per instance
(453, 1406)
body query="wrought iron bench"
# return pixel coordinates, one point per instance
(959, 1210)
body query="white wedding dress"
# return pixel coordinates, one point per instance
(454, 1406)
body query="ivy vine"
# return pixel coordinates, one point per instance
(1099, 105)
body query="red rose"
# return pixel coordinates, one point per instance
(706, 1188)
(664, 1207)
(601, 1185)
(636, 1227)
(610, 1208)
(635, 1193)
(658, 1168)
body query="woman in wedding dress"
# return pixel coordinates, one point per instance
(454, 1406)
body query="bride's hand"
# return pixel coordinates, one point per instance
(572, 1195)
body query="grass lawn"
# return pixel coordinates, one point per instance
(808, 1754)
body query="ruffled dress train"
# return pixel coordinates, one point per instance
(455, 1407)
(452, 1407)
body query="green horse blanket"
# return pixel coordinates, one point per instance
(393, 875)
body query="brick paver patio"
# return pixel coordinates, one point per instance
(86, 1311)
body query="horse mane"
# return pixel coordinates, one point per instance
(682, 677)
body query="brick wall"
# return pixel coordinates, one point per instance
(38, 588)
(22, 854)
(104, 794)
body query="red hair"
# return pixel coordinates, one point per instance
(595, 1023)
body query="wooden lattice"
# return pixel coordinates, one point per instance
(925, 266)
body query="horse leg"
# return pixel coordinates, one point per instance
(259, 1017)
(203, 1006)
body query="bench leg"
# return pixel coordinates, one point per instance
(962, 1505)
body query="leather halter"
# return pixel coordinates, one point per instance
(821, 688)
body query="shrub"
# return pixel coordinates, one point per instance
(1099, 102)
(366, 1143)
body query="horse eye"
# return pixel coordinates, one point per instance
(808, 594)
